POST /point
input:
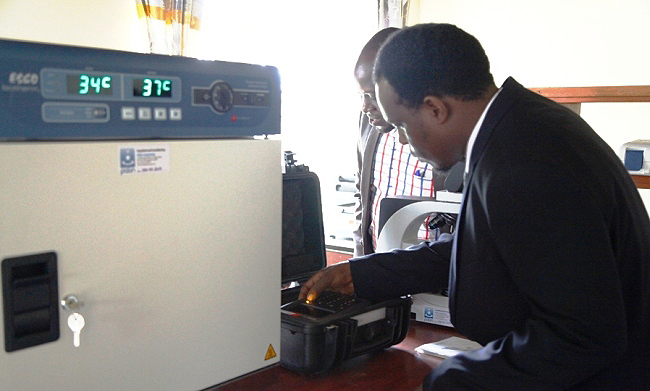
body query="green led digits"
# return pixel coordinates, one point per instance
(98, 85)
(152, 88)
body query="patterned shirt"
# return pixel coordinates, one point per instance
(396, 172)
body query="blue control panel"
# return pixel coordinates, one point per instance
(57, 92)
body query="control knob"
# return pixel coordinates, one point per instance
(222, 97)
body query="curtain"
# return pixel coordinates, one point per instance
(170, 24)
(394, 13)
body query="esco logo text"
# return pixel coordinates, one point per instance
(23, 78)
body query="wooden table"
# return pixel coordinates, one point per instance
(393, 369)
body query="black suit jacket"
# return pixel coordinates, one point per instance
(550, 264)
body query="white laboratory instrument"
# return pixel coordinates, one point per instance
(141, 221)
(400, 230)
(636, 156)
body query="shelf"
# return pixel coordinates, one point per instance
(641, 181)
(595, 94)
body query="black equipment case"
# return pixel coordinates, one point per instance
(316, 338)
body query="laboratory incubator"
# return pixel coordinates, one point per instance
(140, 201)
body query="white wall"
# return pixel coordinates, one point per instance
(564, 43)
(110, 24)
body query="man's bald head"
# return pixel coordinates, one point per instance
(363, 74)
(367, 56)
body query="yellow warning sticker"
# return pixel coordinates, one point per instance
(270, 353)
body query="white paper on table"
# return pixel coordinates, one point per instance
(448, 347)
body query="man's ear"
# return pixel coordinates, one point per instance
(437, 108)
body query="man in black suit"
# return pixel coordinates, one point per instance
(549, 267)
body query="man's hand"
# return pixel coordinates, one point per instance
(336, 278)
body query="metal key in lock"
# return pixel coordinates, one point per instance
(76, 322)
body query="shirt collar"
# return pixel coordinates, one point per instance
(472, 137)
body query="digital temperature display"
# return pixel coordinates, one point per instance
(84, 84)
(152, 88)
(101, 85)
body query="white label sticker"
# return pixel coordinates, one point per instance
(144, 159)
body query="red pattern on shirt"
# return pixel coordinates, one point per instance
(397, 172)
